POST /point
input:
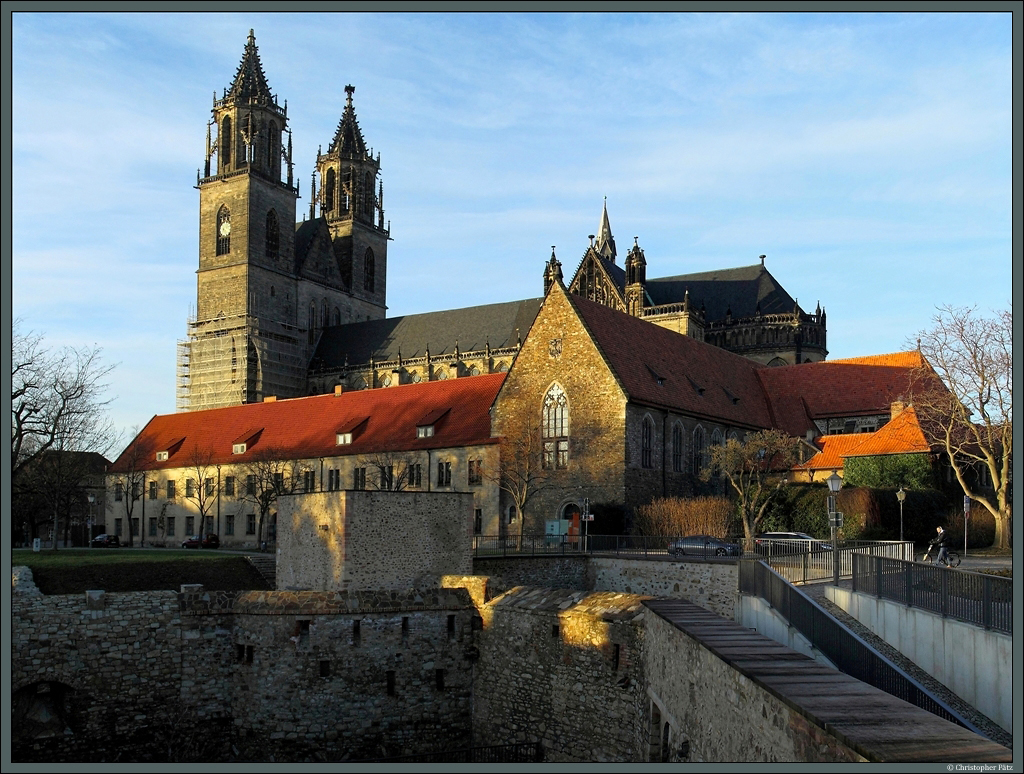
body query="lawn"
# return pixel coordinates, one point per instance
(75, 570)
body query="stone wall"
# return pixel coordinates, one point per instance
(716, 714)
(372, 540)
(565, 572)
(562, 667)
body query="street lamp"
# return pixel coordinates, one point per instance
(835, 483)
(901, 496)
(88, 521)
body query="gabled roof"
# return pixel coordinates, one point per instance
(901, 435)
(832, 450)
(742, 291)
(659, 367)
(838, 388)
(304, 428)
(348, 138)
(250, 84)
(471, 329)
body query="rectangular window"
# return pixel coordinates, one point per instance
(190, 487)
(170, 526)
(136, 490)
(279, 482)
(209, 487)
(343, 439)
(405, 630)
(391, 682)
(248, 654)
(229, 528)
(325, 668)
(238, 448)
(444, 473)
(118, 529)
(250, 524)
(387, 477)
(359, 478)
(118, 492)
(425, 431)
(240, 653)
(229, 486)
(308, 481)
(357, 634)
(439, 679)
(451, 627)
(170, 490)
(190, 525)
(152, 490)
(416, 475)
(478, 521)
(250, 484)
(152, 526)
(333, 480)
(475, 472)
(162, 456)
(135, 526)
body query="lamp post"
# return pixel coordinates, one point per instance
(835, 483)
(901, 496)
(88, 521)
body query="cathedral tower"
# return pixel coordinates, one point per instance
(351, 199)
(242, 343)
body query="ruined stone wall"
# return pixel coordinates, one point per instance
(566, 572)
(714, 713)
(372, 540)
(561, 667)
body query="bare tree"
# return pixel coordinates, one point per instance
(521, 474)
(391, 471)
(128, 481)
(201, 484)
(756, 469)
(265, 477)
(970, 414)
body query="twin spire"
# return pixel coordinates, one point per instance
(348, 139)
(250, 84)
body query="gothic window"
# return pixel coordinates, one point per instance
(273, 235)
(716, 438)
(700, 450)
(646, 443)
(677, 448)
(323, 314)
(329, 191)
(337, 316)
(368, 270)
(312, 320)
(368, 194)
(223, 231)
(225, 145)
(555, 430)
(273, 147)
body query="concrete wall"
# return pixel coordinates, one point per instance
(372, 540)
(755, 613)
(717, 714)
(974, 663)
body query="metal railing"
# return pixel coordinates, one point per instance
(838, 644)
(804, 561)
(637, 546)
(524, 752)
(983, 600)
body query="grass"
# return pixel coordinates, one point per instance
(76, 570)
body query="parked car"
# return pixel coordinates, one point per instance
(703, 545)
(798, 542)
(210, 541)
(106, 541)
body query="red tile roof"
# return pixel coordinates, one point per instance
(662, 368)
(306, 427)
(838, 388)
(901, 435)
(833, 449)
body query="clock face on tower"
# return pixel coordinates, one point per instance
(225, 228)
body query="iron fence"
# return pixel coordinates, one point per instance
(983, 600)
(848, 652)
(803, 561)
(638, 546)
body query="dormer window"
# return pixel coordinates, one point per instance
(425, 431)
(343, 439)
(346, 434)
(162, 456)
(428, 425)
(246, 441)
(238, 448)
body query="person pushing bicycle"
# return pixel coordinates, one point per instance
(940, 541)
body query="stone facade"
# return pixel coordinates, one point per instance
(330, 541)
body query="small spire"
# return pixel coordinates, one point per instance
(605, 241)
(250, 83)
(348, 138)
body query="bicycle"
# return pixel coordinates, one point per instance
(952, 557)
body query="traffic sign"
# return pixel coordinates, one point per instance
(836, 520)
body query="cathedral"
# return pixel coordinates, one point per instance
(287, 308)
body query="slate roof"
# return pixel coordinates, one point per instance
(250, 83)
(740, 290)
(695, 378)
(901, 435)
(838, 388)
(302, 428)
(472, 328)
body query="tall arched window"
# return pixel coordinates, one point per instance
(337, 316)
(273, 235)
(225, 145)
(323, 314)
(312, 321)
(329, 186)
(368, 194)
(273, 147)
(223, 231)
(369, 269)
(555, 430)
(647, 443)
(700, 450)
(677, 448)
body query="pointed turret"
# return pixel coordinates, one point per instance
(250, 84)
(552, 271)
(605, 244)
(348, 139)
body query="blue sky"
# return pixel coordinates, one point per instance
(868, 156)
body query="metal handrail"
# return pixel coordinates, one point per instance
(838, 644)
(976, 598)
(635, 546)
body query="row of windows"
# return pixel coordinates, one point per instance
(340, 194)
(266, 154)
(700, 457)
(170, 528)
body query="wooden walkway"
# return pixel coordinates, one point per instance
(873, 723)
